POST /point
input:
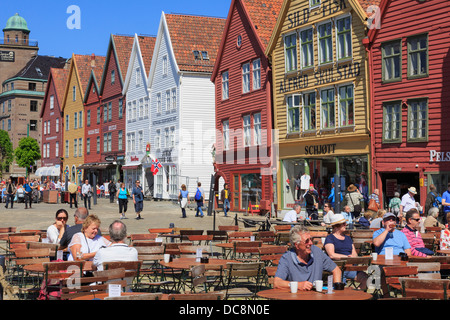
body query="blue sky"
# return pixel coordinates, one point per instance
(47, 20)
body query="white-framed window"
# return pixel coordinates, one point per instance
(57, 124)
(158, 139)
(344, 37)
(257, 129)
(45, 127)
(174, 99)
(75, 147)
(307, 48)
(325, 35)
(173, 180)
(158, 103)
(98, 144)
(141, 108)
(226, 134)
(246, 77)
(256, 74)
(75, 120)
(247, 128)
(168, 100)
(166, 138)
(88, 146)
(120, 140)
(134, 110)
(57, 149)
(52, 102)
(140, 144)
(74, 93)
(293, 104)
(290, 52)
(80, 119)
(138, 76)
(165, 65)
(67, 148)
(129, 112)
(172, 137)
(48, 127)
(225, 85)
(80, 147)
(146, 107)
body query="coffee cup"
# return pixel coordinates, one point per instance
(319, 285)
(374, 256)
(294, 286)
(166, 257)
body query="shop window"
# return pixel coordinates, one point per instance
(293, 103)
(309, 111)
(391, 61)
(418, 56)
(418, 120)
(327, 106)
(346, 110)
(392, 122)
(344, 38)
(325, 43)
(290, 52)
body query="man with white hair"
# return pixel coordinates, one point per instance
(408, 202)
(431, 220)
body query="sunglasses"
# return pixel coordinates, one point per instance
(418, 219)
(61, 218)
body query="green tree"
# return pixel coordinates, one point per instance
(27, 152)
(6, 151)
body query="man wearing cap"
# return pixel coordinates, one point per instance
(408, 202)
(304, 263)
(389, 236)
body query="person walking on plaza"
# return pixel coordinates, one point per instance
(122, 197)
(28, 193)
(138, 199)
(72, 188)
(408, 202)
(10, 193)
(353, 199)
(86, 191)
(311, 204)
(199, 196)
(112, 191)
(225, 196)
(183, 196)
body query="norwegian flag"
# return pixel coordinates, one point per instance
(155, 166)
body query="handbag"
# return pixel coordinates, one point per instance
(356, 207)
(373, 205)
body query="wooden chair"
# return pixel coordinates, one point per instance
(239, 236)
(392, 275)
(199, 238)
(433, 229)
(197, 296)
(425, 289)
(192, 250)
(173, 248)
(143, 237)
(282, 227)
(81, 286)
(42, 245)
(197, 278)
(253, 209)
(218, 235)
(427, 270)
(243, 279)
(151, 269)
(228, 228)
(266, 236)
(358, 264)
(17, 241)
(185, 233)
(143, 296)
(113, 276)
(269, 255)
(270, 275)
(132, 271)
(430, 240)
(283, 239)
(54, 275)
(246, 250)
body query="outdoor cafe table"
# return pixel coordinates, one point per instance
(228, 246)
(285, 294)
(446, 252)
(103, 295)
(382, 261)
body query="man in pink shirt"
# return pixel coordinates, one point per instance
(411, 230)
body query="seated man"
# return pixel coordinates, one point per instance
(305, 263)
(292, 216)
(118, 250)
(411, 230)
(389, 236)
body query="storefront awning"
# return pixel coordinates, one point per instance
(54, 171)
(132, 165)
(95, 166)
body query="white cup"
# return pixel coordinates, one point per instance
(374, 256)
(294, 286)
(319, 285)
(166, 257)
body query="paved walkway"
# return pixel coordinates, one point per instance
(156, 214)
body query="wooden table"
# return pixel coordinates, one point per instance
(446, 252)
(228, 246)
(382, 261)
(285, 294)
(103, 295)
(39, 267)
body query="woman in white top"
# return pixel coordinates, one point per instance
(85, 244)
(56, 230)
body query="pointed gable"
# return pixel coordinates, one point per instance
(123, 46)
(190, 34)
(147, 45)
(57, 79)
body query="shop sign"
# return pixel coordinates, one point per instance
(436, 156)
(320, 149)
(7, 56)
(301, 17)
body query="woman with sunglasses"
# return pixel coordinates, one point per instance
(56, 230)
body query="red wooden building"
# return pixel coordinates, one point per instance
(52, 121)
(113, 106)
(410, 91)
(242, 77)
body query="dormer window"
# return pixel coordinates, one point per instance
(205, 55)
(196, 55)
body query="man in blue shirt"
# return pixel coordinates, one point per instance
(305, 263)
(389, 236)
(28, 193)
(446, 203)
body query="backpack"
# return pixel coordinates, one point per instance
(198, 195)
(437, 201)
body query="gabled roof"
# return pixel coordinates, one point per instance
(261, 15)
(97, 64)
(359, 6)
(59, 78)
(194, 33)
(121, 47)
(38, 68)
(143, 50)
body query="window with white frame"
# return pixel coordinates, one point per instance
(120, 141)
(172, 137)
(246, 77)
(80, 147)
(327, 108)
(173, 180)
(174, 99)
(344, 38)
(134, 115)
(146, 106)
(164, 65)
(290, 52)
(48, 127)
(57, 149)
(57, 125)
(74, 93)
(158, 139)
(98, 144)
(246, 124)
(225, 85)
(88, 146)
(307, 50)
(140, 144)
(45, 127)
(158, 103)
(75, 120)
(80, 119)
(168, 100)
(75, 147)
(293, 103)
(120, 108)
(226, 134)
(325, 43)
(52, 102)
(309, 111)
(141, 108)
(67, 148)
(166, 138)
(346, 105)
(257, 129)
(109, 111)
(138, 76)
(256, 68)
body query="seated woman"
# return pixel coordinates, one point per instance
(444, 241)
(338, 246)
(85, 244)
(56, 230)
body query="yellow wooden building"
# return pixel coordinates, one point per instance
(73, 116)
(320, 92)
